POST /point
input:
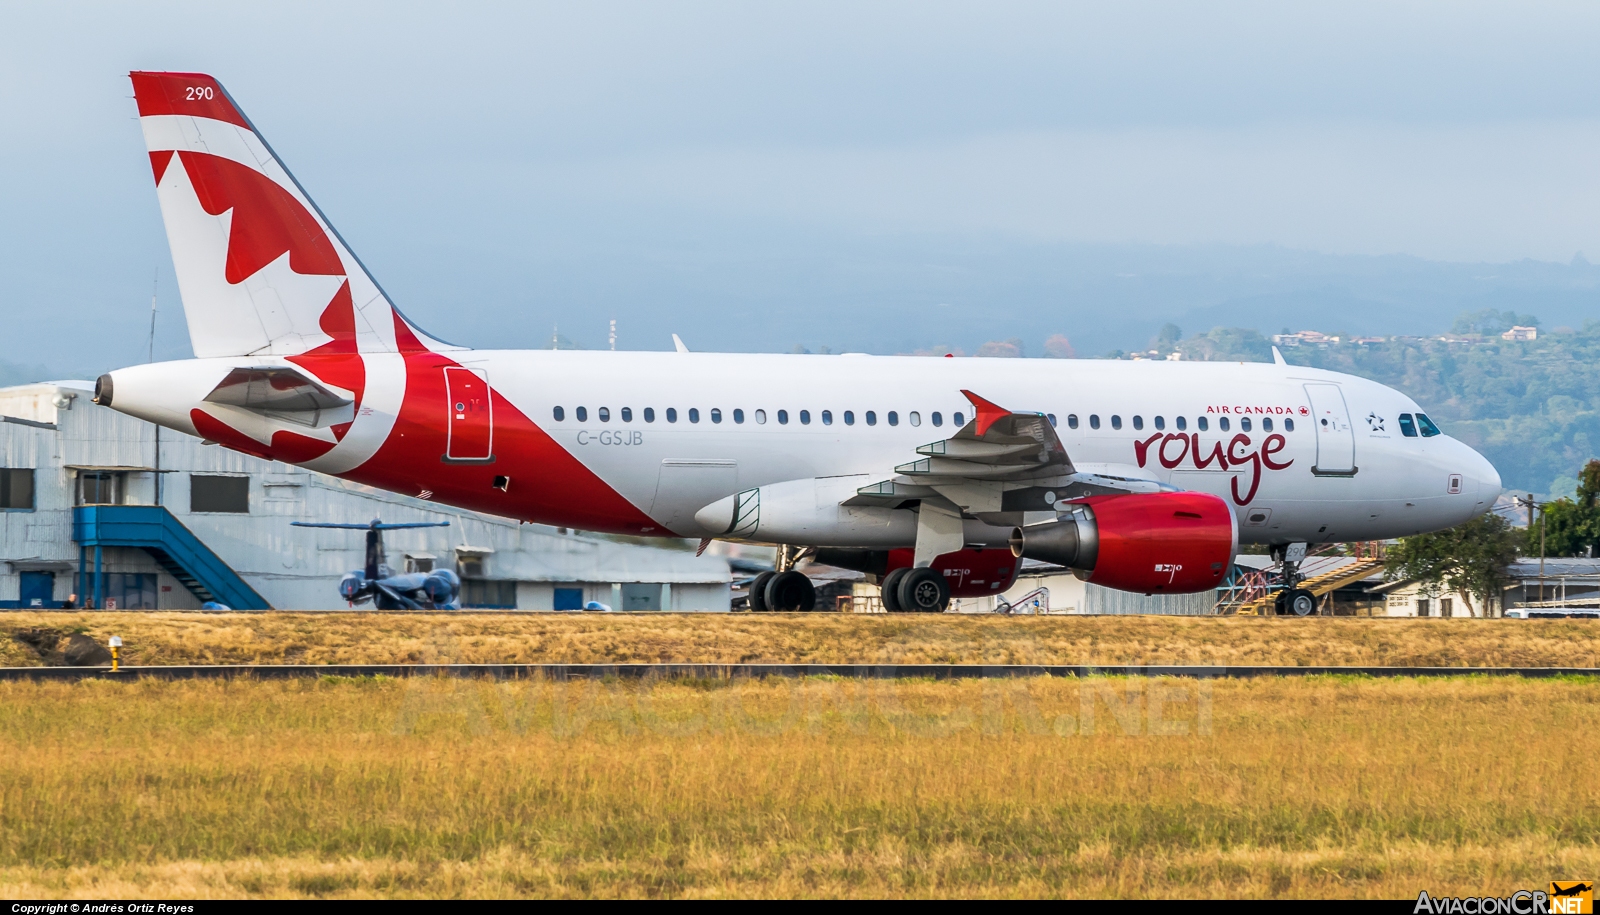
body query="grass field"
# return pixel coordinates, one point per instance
(1101, 787)
(321, 638)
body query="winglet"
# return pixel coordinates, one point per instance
(1277, 357)
(988, 413)
(677, 344)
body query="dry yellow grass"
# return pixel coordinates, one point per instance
(323, 638)
(1103, 787)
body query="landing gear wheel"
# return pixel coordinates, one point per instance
(1301, 602)
(758, 592)
(791, 592)
(923, 591)
(890, 589)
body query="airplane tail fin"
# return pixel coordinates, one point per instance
(261, 271)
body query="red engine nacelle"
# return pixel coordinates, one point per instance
(1172, 542)
(970, 572)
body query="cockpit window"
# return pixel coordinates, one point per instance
(1408, 426)
(1429, 430)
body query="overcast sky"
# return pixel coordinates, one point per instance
(480, 139)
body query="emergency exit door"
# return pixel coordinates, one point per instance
(1336, 438)
(470, 419)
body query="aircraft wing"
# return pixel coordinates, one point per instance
(1001, 462)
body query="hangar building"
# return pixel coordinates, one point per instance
(171, 522)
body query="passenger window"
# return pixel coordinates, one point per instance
(694, 414)
(913, 416)
(849, 417)
(1429, 430)
(716, 415)
(1182, 423)
(894, 418)
(872, 418)
(783, 417)
(958, 419)
(1094, 420)
(1408, 426)
(561, 414)
(805, 417)
(1244, 424)
(1266, 424)
(1288, 425)
(1161, 423)
(738, 415)
(761, 417)
(1072, 420)
(604, 414)
(827, 417)
(649, 414)
(1202, 424)
(672, 414)
(938, 418)
(582, 413)
(1138, 422)
(1222, 423)
(1051, 417)
(627, 414)
(1116, 421)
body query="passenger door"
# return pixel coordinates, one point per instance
(470, 419)
(1336, 438)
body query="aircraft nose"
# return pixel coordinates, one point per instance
(1480, 471)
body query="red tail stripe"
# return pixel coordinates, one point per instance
(184, 93)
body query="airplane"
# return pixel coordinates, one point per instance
(439, 589)
(938, 476)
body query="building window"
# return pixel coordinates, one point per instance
(470, 565)
(127, 591)
(419, 564)
(482, 594)
(16, 488)
(627, 414)
(1422, 606)
(649, 414)
(99, 488)
(1072, 420)
(218, 494)
(1447, 606)
(672, 414)
(582, 413)
(604, 413)
(559, 414)
(568, 599)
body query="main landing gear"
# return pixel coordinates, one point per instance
(784, 592)
(915, 591)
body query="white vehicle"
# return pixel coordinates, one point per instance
(935, 474)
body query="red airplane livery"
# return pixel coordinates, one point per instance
(936, 475)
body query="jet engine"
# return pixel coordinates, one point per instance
(1169, 542)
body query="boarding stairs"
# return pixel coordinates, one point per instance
(171, 544)
(1262, 604)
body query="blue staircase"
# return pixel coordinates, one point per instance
(174, 547)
